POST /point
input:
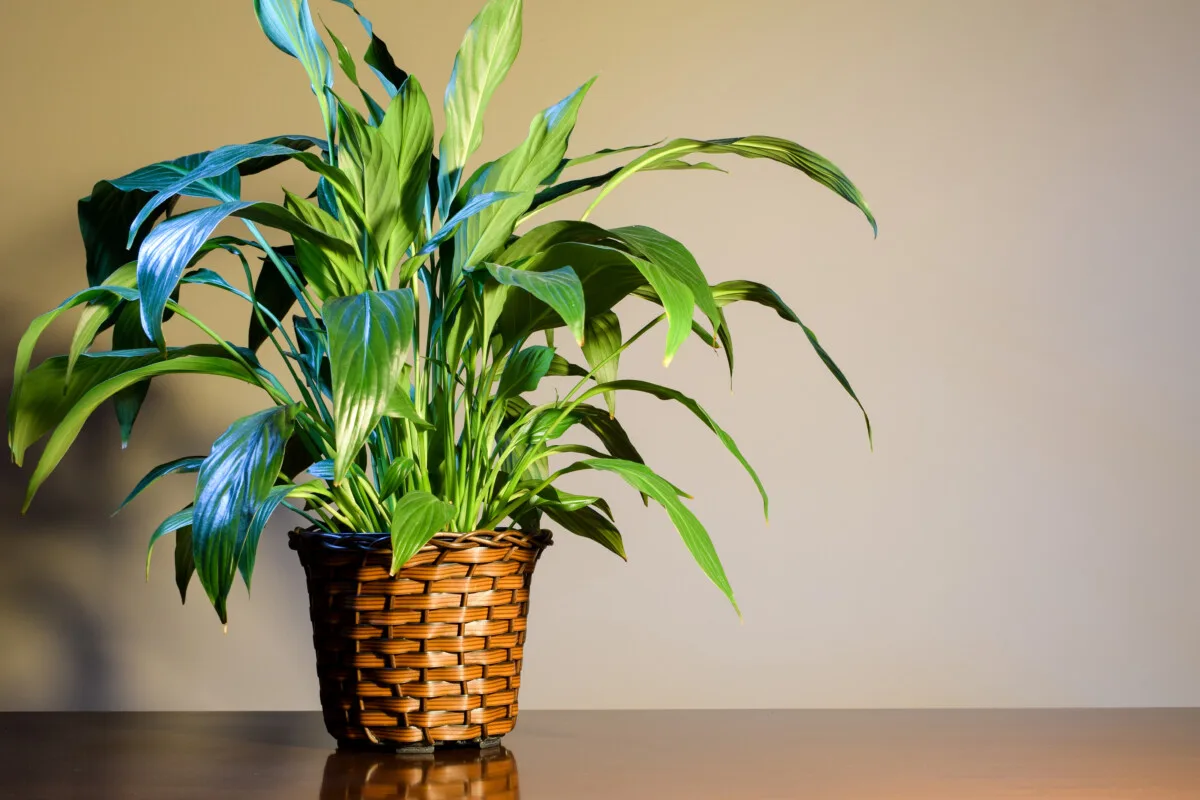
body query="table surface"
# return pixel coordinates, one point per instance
(577, 755)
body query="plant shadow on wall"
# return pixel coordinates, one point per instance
(414, 311)
(55, 560)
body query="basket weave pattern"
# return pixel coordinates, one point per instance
(428, 656)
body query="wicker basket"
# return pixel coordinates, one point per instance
(455, 775)
(430, 656)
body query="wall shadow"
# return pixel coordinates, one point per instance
(57, 560)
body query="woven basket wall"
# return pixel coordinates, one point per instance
(429, 656)
(454, 775)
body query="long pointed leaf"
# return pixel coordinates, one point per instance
(368, 336)
(234, 482)
(487, 52)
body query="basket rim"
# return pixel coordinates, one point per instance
(361, 541)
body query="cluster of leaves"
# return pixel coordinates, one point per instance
(403, 309)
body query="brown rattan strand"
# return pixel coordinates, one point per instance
(429, 656)
(456, 775)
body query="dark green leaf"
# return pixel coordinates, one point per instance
(589, 524)
(184, 465)
(175, 522)
(234, 482)
(665, 393)
(524, 371)
(273, 293)
(104, 219)
(731, 291)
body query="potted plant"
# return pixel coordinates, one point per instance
(412, 303)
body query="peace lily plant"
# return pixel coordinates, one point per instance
(413, 302)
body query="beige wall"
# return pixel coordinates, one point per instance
(1024, 533)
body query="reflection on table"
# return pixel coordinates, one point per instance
(467, 773)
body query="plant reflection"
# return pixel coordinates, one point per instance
(470, 774)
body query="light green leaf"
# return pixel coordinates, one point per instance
(675, 260)
(487, 52)
(416, 518)
(98, 312)
(645, 480)
(97, 386)
(368, 336)
(665, 393)
(559, 288)
(791, 154)
(602, 346)
(408, 128)
(393, 477)
(400, 406)
(521, 170)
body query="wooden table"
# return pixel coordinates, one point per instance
(731, 755)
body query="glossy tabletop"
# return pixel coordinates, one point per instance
(740, 755)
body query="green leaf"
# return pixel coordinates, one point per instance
(665, 393)
(31, 336)
(42, 403)
(275, 498)
(184, 465)
(589, 524)
(368, 336)
(377, 56)
(473, 206)
(559, 288)
(128, 335)
(521, 170)
(97, 313)
(731, 291)
(408, 129)
(561, 191)
(331, 272)
(645, 480)
(675, 260)
(602, 345)
(104, 219)
(393, 479)
(166, 253)
(524, 371)
(400, 406)
(234, 482)
(178, 520)
(185, 561)
(487, 52)
(272, 292)
(418, 516)
(791, 154)
(289, 26)
(216, 176)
